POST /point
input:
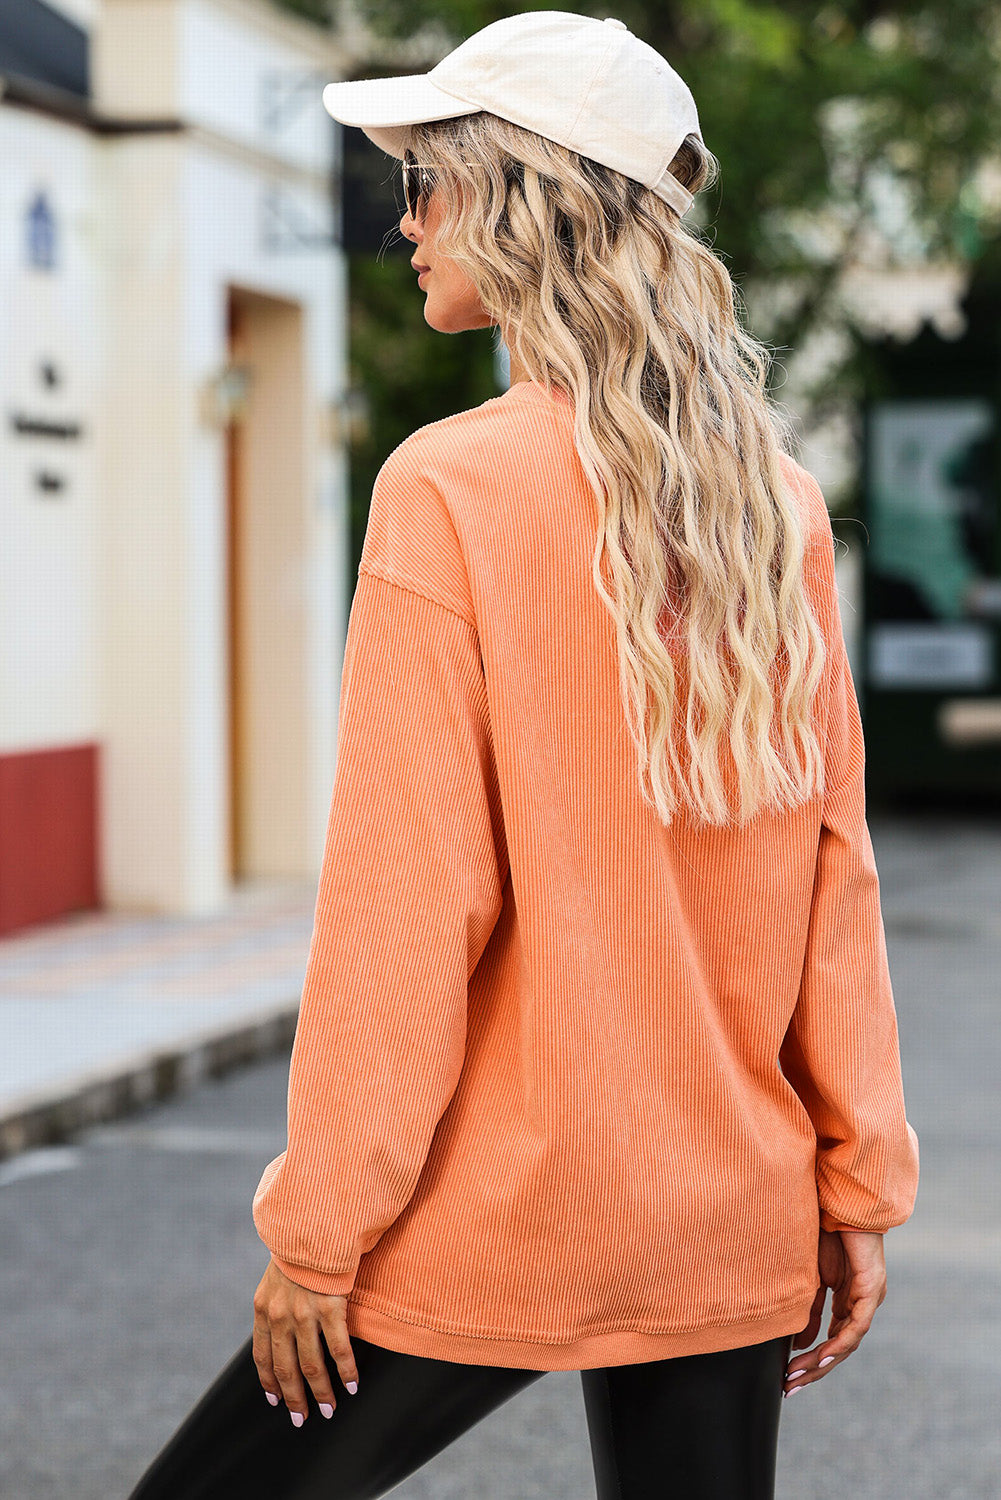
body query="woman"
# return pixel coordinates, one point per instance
(596, 1065)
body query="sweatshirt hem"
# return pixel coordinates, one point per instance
(615, 1346)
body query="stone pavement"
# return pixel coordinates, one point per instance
(103, 1011)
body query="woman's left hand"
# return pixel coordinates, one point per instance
(289, 1321)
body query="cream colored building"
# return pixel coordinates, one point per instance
(173, 471)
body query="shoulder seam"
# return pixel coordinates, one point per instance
(420, 593)
(419, 468)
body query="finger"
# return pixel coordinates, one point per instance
(807, 1374)
(335, 1331)
(313, 1365)
(286, 1366)
(846, 1333)
(805, 1370)
(261, 1345)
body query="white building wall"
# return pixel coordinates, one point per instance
(114, 628)
(201, 206)
(48, 664)
(254, 85)
(145, 554)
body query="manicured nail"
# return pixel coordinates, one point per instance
(793, 1373)
(326, 1409)
(297, 1418)
(793, 1390)
(272, 1397)
(351, 1386)
(826, 1361)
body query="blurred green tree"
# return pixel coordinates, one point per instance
(319, 11)
(847, 131)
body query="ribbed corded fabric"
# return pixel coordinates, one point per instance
(568, 1088)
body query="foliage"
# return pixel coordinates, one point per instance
(764, 75)
(845, 131)
(311, 10)
(410, 374)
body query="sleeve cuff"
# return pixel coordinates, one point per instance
(834, 1226)
(327, 1283)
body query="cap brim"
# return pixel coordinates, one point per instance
(384, 107)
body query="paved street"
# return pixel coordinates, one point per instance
(128, 1259)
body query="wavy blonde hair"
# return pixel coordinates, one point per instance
(607, 294)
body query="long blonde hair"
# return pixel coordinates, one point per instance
(606, 293)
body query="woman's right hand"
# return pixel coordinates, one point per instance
(852, 1264)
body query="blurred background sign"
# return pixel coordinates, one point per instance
(932, 574)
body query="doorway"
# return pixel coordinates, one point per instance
(267, 599)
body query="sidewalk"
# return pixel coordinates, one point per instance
(103, 1011)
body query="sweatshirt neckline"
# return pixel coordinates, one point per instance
(533, 391)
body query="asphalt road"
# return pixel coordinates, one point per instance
(128, 1260)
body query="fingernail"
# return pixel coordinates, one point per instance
(326, 1409)
(793, 1373)
(297, 1418)
(351, 1386)
(272, 1397)
(826, 1361)
(792, 1391)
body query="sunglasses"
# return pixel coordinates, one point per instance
(418, 184)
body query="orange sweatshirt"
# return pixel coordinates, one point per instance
(568, 1088)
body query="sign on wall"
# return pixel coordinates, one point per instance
(40, 233)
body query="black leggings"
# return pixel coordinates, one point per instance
(696, 1427)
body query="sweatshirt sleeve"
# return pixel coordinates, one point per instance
(409, 892)
(841, 1052)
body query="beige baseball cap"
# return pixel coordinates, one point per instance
(589, 85)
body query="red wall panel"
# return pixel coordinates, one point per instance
(48, 834)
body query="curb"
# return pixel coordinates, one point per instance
(49, 1117)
